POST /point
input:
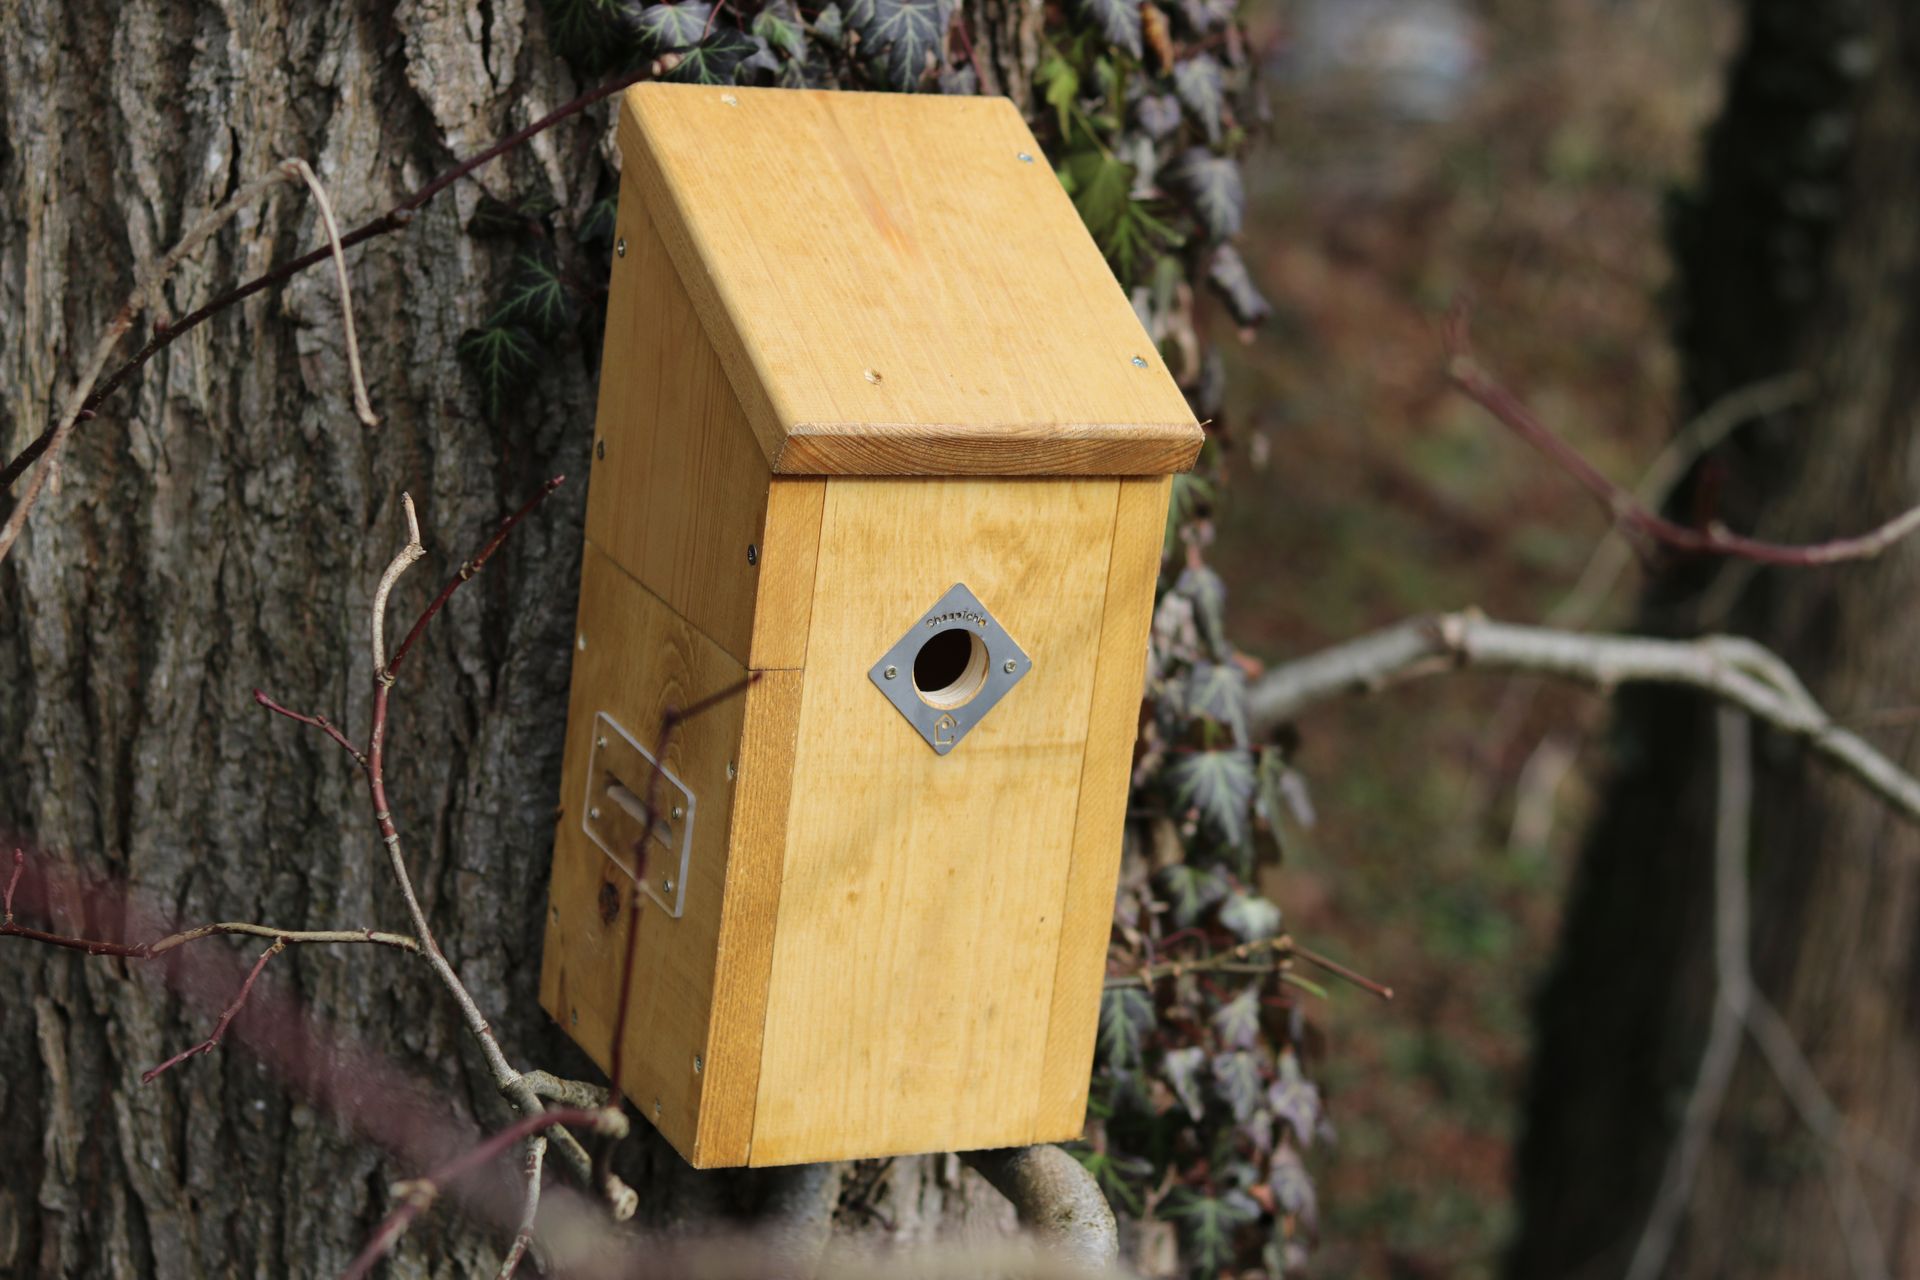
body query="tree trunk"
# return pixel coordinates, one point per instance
(1800, 251)
(222, 527)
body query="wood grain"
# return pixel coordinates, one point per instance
(914, 956)
(789, 549)
(639, 660)
(681, 490)
(1119, 683)
(893, 291)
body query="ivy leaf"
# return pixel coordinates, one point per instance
(598, 223)
(901, 40)
(830, 24)
(1250, 917)
(1292, 1189)
(1118, 21)
(664, 28)
(581, 28)
(1101, 185)
(1158, 114)
(1126, 1016)
(1115, 1172)
(537, 298)
(1204, 587)
(1230, 279)
(1204, 16)
(782, 28)
(1296, 1099)
(1190, 891)
(1059, 82)
(1218, 195)
(715, 59)
(1237, 1079)
(1238, 1020)
(1202, 87)
(1219, 785)
(1207, 1226)
(1218, 690)
(503, 357)
(1182, 1070)
(1192, 498)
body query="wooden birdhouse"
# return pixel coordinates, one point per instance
(879, 486)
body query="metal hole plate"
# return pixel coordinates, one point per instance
(623, 779)
(1007, 665)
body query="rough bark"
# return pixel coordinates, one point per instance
(1800, 249)
(221, 527)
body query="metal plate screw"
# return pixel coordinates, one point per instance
(1025, 158)
(891, 672)
(679, 812)
(1007, 666)
(667, 884)
(574, 1016)
(600, 741)
(620, 247)
(753, 554)
(1139, 362)
(594, 812)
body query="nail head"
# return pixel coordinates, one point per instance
(620, 247)
(753, 554)
(1025, 158)
(873, 376)
(1139, 362)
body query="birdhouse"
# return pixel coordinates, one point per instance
(879, 488)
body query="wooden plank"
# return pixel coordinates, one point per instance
(1087, 918)
(762, 794)
(639, 660)
(919, 915)
(893, 291)
(681, 490)
(789, 549)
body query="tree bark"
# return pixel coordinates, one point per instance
(1799, 250)
(222, 527)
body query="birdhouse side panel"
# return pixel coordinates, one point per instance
(635, 662)
(680, 485)
(1119, 684)
(920, 909)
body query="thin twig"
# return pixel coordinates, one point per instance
(393, 219)
(321, 723)
(212, 1042)
(362, 404)
(1628, 511)
(402, 558)
(529, 1209)
(1234, 960)
(418, 1194)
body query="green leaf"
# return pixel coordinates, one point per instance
(1251, 917)
(1296, 1099)
(598, 223)
(714, 59)
(537, 298)
(1238, 1020)
(901, 40)
(1208, 592)
(782, 28)
(503, 357)
(1059, 82)
(1207, 1226)
(830, 25)
(1202, 87)
(1219, 786)
(1230, 279)
(1237, 1079)
(1218, 691)
(587, 30)
(1181, 1067)
(1190, 891)
(666, 27)
(1126, 1016)
(1102, 189)
(1118, 21)
(1218, 195)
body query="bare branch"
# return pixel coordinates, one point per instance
(212, 1042)
(1627, 510)
(529, 1210)
(1731, 668)
(319, 722)
(362, 405)
(402, 558)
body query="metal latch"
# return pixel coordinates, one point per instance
(639, 814)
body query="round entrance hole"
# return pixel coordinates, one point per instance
(950, 668)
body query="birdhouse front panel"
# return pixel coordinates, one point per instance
(879, 491)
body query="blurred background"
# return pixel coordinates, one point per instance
(1520, 155)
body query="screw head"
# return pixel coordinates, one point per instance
(600, 741)
(599, 449)
(733, 771)
(729, 99)
(697, 1064)
(873, 376)
(1007, 666)
(667, 884)
(753, 554)
(656, 1108)
(594, 813)
(574, 1017)
(620, 247)
(891, 672)
(1025, 158)
(678, 813)
(1139, 362)
(581, 641)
